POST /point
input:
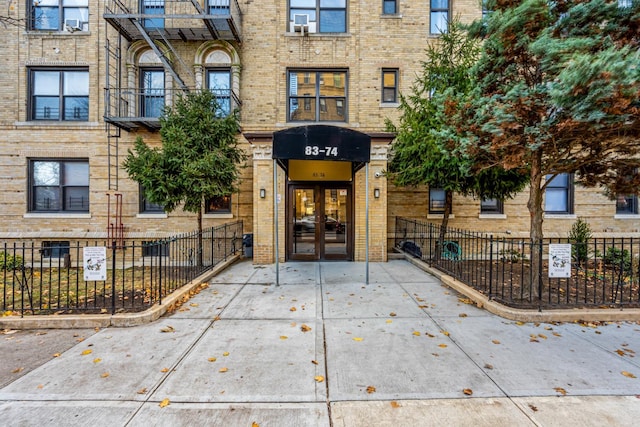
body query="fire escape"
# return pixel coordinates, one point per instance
(166, 26)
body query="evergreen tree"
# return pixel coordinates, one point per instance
(558, 85)
(199, 158)
(425, 151)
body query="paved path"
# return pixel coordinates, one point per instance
(324, 349)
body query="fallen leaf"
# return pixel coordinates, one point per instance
(556, 334)
(467, 391)
(371, 389)
(194, 304)
(105, 375)
(442, 345)
(620, 352)
(488, 366)
(519, 323)
(395, 404)
(212, 359)
(495, 342)
(465, 300)
(142, 391)
(97, 360)
(429, 335)
(254, 424)
(17, 370)
(40, 386)
(543, 336)
(165, 402)
(462, 315)
(416, 333)
(226, 353)
(223, 370)
(283, 337)
(305, 328)
(167, 329)
(87, 351)
(293, 309)
(357, 338)
(628, 374)
(533, 408)
(315, 362)
(57, 355)
(445, 333)
(389, 321)
(560, 390)
(392, 314)
(164, 370)
(319, 378)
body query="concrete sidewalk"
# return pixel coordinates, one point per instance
(324, 349)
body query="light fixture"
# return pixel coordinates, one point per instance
(263, 193)
(376, 193)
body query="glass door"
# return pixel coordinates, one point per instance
(319, 223)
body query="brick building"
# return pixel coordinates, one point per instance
(81, 79)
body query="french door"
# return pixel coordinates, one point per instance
(320, 222)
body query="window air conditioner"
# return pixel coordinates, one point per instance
(72, 25)
(300, 24)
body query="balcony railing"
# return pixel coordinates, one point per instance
(176, 19)
(135, 108)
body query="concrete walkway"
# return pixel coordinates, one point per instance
(324, 349)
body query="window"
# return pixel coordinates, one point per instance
(491, 206)
(146, 206)
(218, 204)
(58, 15)
(390, 86)
(152, 85)
(59, 186)
(627, 204)
(54, 249)
(153, 7)
(218, 7)
(330, 16)
(439, 19)
(60, 95)
(219, 82)
(437, 199)
(559, 194)
(317, 96)
(389, 7)
(155, 248)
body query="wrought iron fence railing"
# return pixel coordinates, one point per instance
(106, 277)
(602, 272)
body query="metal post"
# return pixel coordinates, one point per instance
(275, 218)
(366, 251)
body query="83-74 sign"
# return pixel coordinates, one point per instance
(314, 150)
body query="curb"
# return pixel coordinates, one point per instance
(524, 315)
(119, 320)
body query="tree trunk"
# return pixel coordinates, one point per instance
(535, 231)
(200, 255)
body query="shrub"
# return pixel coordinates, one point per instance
(10, 262)
(618, 258)
(579, 236)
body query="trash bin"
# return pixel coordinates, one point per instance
(247, 245)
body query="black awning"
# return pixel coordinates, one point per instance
(321, 142)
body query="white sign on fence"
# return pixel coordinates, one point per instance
(95, 263)
(559, 260)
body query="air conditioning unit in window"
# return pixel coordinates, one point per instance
(72, 25)
(301, 24)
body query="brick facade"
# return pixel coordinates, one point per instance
(259, 65)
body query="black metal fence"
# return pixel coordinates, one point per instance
(604, 272)
(61, 277)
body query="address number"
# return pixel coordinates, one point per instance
(314, 150)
